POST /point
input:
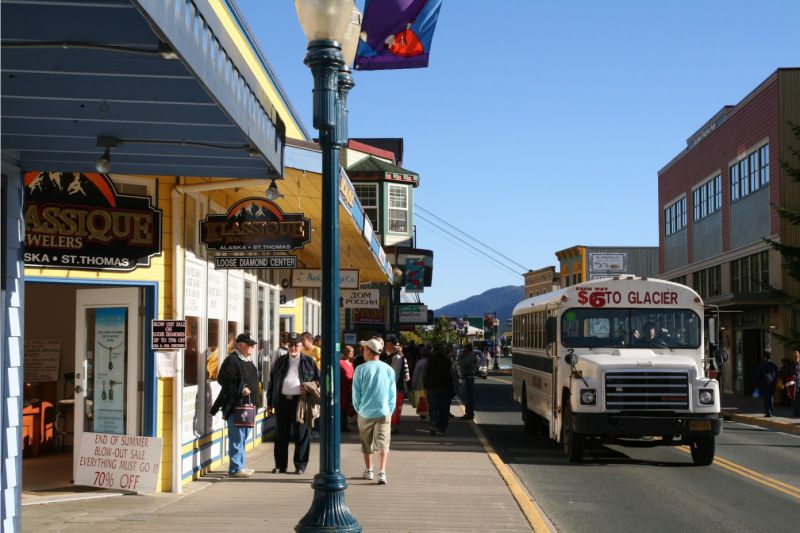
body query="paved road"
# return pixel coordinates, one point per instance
(754, 484)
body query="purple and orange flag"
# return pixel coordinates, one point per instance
(396, 34)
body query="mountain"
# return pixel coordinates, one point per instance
(502, 300)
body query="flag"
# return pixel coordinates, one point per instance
(415, 275)
(396, 34)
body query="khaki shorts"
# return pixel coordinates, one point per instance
(375, 433)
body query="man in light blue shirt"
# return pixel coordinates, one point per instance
(374, 396)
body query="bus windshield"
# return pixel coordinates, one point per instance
(630, 328)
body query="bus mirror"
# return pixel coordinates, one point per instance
(712, 330)
(571, 359)
(551, 328)
(721, 357)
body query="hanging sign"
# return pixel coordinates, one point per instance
(79, 221)
(255, 224)
(268, 262)
(413, 314)
(361, 299)
(122, 462)
(310, 278)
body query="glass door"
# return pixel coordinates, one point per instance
(107, 362)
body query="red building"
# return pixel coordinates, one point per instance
(717, 203)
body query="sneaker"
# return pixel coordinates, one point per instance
(368, 474)
(277, 470)
(241, 473)
(381, 478)
(249, 471)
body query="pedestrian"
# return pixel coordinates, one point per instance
(794, 393)
(317, 341)
(389, 351)
(374, 396)
(285, 388)
(418, 393)
(399, 364)
(440, 386)
(238, 379)
(467, 362)
(311, 350)
(346, 385)
(766, 376)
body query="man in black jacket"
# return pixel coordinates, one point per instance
(238, 377)
(285, 389)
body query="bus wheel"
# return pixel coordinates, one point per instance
(573, 442)
(528, 418)
(702, 448)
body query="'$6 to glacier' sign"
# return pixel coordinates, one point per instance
(601, 297)
(124, 462)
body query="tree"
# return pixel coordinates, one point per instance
(790, 255)
(441, 332)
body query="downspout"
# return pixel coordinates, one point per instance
(177, 314)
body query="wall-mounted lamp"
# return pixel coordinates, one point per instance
(103, 163)
(272, 191)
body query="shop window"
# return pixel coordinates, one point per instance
(214, 358)
(398, 208)
(248, 308)
(191, 367)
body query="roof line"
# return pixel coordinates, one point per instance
(233, 9)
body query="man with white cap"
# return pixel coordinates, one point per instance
(374, 396)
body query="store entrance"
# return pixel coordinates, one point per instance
(83, 367)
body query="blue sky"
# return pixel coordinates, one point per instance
(542, 124)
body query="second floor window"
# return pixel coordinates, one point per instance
(750, 174)
(675, 216)
(398, 208)
(708, 282)
(707, 198)
(751, 273)
(368, 196)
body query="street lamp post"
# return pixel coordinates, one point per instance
(325, 23)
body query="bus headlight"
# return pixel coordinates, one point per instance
(588, 397)
(706, 396)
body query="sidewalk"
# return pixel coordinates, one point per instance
(748, 410)
(435, 484)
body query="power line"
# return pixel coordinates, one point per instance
(471, 249)
(524, 268)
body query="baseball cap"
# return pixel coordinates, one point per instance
(245, 337)
(295, 338)
(376, 345)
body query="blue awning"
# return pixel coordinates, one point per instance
(161, 76)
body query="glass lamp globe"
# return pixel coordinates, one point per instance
(324, 19)
(351, 36)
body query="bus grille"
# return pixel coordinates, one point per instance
(647, 391)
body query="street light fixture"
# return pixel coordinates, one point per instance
(325, 24)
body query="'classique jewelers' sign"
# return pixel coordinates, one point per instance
(255, 224)
(79, 221)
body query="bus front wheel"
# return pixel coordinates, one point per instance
(528, 417)
(702, 447)
(573, 442)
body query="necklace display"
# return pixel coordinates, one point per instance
(110, 350)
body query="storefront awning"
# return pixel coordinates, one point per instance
(161, 82)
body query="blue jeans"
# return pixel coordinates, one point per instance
(439, 408)
(468, 395)
(236, 439)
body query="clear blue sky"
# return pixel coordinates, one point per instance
(542, 124)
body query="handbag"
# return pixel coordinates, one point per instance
(245, 415)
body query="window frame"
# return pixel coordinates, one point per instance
(389, 207)
(369, 207)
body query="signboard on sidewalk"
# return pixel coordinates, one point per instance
(243, 262)
(169, 334)
(122, 462)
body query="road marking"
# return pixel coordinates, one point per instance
(527, 504)
(752, 475)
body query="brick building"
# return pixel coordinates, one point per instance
(716, 207)
(541, 281)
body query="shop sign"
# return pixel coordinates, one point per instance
(607, 262)
(361, 299)
(121, 462)
(42, 359)
(79, 221)
(255, 224)
(311, 278)
(169, 334)
(413, 314)
(347, 192)
(265, 262)
(371, 316)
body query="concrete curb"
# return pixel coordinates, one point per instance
(757, 420)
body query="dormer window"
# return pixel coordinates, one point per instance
(368, 196)
(398, 208)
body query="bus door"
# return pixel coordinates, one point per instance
(552, 351)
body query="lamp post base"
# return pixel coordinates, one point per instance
(328, 511)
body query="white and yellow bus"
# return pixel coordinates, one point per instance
(616, 358)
